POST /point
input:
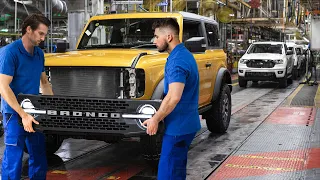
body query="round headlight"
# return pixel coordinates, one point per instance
(146, 109)
(26, 104)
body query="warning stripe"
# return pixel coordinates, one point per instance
(125, 173)
(271, 158)
(317, 98)
(292, 95)
(260, 167)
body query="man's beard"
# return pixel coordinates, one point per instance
(165, 48)
(34, 43)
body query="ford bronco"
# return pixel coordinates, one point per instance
(113, 81)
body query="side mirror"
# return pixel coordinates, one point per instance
(289, 52)
(62, 47)
(196, 44)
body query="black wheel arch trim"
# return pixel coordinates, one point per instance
(222, 73)
(137, 58)
(158, 91)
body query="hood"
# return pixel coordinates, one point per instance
(269, 56)
(105, 57)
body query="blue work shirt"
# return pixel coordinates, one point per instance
(25, 69)
(182, 67)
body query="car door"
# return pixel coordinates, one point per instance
(194, 28)
(214, 54)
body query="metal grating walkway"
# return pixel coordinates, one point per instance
(305, 96)
(278, 149)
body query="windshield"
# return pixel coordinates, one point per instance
(266, 48)
(121, 33)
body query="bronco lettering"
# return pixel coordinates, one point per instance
(81, 114)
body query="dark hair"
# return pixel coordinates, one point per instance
(33, 20)
(168, 23)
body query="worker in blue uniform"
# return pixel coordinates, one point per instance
(22, 71)
(179, 108)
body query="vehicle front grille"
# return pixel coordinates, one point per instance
(84, 123)
(260, 74)
(85, 81)
(86, 115)
(83, 105)
(260, 64)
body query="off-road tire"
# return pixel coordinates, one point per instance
(218, 116)
(295, 73)
(151, 146)
(283, 83)
(242, 82)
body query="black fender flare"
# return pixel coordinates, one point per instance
(223, 76)
(158, 91)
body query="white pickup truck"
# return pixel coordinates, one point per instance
(266, 61)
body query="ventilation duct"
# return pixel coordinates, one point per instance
(59, 7)
(8, 6)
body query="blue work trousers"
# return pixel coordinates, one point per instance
(174, 155)
(15, 137)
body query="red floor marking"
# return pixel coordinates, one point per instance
(80, 174)
(126, 173)
(314, 158)
(293, 115)
(267, 163)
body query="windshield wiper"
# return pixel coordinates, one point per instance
(147, 45)
(115, 45)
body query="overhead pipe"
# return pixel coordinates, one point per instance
(9, 7)
(59, 6)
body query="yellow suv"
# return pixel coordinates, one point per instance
(113, 81)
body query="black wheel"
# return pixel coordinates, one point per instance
(53, 143)
(295, 73)
(283, 83)
(218, 117)
(151, 146)
(242, 83)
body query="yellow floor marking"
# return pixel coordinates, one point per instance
(259, 167)
(59, 172)
(272, 158)
(113, 177)
(317, 98)
(295, 92)
(234, 84)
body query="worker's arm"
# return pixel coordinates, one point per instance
(170, 101)
(45, 85)
(8, 95)
(167, 106)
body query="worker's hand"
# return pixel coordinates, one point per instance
(152, 126)
(27, 121)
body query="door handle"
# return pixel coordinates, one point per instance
(208, 64)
